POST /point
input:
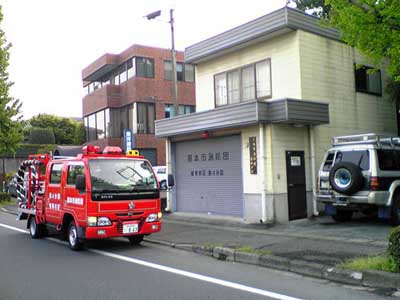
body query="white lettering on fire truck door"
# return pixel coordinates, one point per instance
(75, 200)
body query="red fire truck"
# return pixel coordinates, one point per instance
(91, 196)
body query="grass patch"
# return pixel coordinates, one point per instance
(379, 262)
(248, 249)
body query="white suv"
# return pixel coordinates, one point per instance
(361, 173)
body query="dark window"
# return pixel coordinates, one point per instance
(144, 67)
(55, 175)
(145, 118)
(368, 81)
(74, 171)
(359, 158)
(179, 71)
(389, 160)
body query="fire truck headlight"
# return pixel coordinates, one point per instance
(151, 218)
(159, 215)
(103, 221)
(92, 221)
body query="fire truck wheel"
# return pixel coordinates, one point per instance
(72, 236)
(34, 228)
(135, 239)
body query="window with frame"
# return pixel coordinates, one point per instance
(146, 115)
(100, 128)
(55, 174)
(246, 83)
(92, 127)
(145, 67)
(184, 72)
(73, 171)
(182, 110)
(368, 81)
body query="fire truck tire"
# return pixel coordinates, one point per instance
(34, 228)
(135, 239)
(72, 237)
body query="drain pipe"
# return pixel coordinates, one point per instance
(313, 175)
(262, 174)
(168, 158)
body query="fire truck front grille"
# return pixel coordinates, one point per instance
(138, 213)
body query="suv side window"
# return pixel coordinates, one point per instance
(328, 162)
(359, 158)
(55, 175)
(389, 160)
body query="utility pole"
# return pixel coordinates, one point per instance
(173, 54)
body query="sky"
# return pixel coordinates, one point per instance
(52, 41)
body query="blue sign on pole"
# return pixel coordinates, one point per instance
(128, 140)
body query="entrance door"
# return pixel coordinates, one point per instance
(296, 185)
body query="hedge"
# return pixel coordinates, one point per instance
(5, 196)
(394, 246)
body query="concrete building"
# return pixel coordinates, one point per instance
(129, 91)
(270, 95)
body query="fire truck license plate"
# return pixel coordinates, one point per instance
(130, 228)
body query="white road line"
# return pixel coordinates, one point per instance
(208, 279)
(13, 228)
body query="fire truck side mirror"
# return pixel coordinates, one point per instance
(80, 182)
(171, 180)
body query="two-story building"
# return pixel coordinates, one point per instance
(129, 91)
(270, 95)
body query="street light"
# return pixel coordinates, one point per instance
(154, 15)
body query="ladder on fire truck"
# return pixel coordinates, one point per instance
(30, 184)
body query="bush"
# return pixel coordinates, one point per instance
(5, 196)
(41, 136)
(394, 246)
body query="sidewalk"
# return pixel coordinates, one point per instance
(312, 247)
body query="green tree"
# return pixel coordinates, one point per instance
(317, 8)
(371, 26)
(10, 127)
(66, 130)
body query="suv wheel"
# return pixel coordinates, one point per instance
(395, 211)
(343, 215)
(346, 178)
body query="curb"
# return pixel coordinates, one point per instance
(8, 211)
(367, 278)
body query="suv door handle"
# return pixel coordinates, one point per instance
(291, 184)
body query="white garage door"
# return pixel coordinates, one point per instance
(209, 176)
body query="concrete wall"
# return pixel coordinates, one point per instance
(285, 68)
(327, 74)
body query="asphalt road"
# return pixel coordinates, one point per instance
(48, 269)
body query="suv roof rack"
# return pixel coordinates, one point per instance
(367, 138)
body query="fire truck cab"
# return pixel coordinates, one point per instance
(92, 196)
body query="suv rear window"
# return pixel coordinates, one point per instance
(359, 158)
(389, 160)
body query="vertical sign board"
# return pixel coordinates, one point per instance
(253, 154)
(128, 140)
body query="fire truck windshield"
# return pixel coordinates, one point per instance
(121, 175)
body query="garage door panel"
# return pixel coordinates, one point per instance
(209, 176)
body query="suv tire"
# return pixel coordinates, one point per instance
(343, 216)
(395, 211)
(346, 178)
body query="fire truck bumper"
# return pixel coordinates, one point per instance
(125, 229)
